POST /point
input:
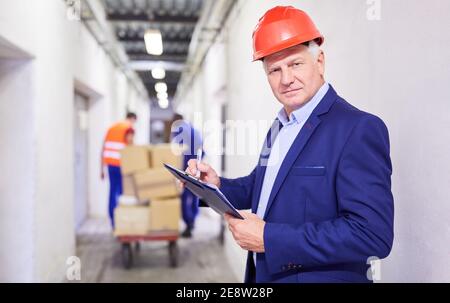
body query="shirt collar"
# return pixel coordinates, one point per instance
(300, 115)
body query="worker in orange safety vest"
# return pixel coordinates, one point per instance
(118, 136)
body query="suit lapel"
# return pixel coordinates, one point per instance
(258, 185)
(263, 158)
(296, 148)
(298, 145)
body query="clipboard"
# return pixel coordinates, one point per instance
(209, 193)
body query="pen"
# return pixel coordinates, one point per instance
(199, 159)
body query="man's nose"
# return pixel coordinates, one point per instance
(287, 77)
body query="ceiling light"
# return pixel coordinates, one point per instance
(162, 95)
(158, 73)
(161, 87)
(163, 103)
(153, 42)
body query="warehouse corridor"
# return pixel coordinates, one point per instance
(320, 126)
(203, 255)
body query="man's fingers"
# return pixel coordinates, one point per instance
(232, 220)
(192, 167)
(189, 171)
(244, 214)
(204, 168)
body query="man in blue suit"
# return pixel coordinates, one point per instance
(320, 194)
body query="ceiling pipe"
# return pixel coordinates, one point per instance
(149, 65)
(93, 16)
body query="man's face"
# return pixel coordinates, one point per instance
(294, 75)
(132, 121)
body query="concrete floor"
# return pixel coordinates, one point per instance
(201, 258)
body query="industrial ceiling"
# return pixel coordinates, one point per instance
(174, 19)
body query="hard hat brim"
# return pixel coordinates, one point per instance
(285, 45)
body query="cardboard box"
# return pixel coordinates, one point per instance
(165, 214)
(128, 200)
(155, 184)
(135, 158)
(131, 220)
(128, 186)
(167, 153)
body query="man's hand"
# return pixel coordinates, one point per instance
(248, 233)
(207, 173)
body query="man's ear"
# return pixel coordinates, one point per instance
(321, 63)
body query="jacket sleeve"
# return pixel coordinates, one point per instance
(239, 191)
(364, 225)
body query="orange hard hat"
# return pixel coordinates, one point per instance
(282, 27)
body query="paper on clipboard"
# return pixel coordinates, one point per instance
(209, 193)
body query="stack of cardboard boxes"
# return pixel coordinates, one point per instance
(155, 190)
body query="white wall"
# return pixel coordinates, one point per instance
(64, 52)
(214, 91)
(16, 162)
(397, 68)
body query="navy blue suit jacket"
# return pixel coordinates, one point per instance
(331, 206)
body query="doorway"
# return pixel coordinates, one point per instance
(81, 132)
